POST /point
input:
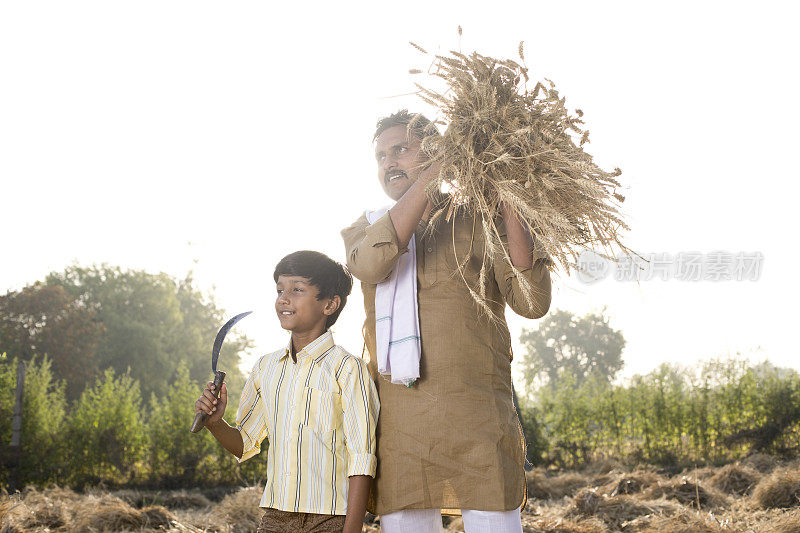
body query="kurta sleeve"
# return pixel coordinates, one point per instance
(360, 408)
(372, 249)
(251, 420)
(537, 277)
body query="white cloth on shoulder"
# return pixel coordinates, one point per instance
(397, 317)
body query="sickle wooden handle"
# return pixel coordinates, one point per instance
(201, 416)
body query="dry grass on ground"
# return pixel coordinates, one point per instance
(752, 496)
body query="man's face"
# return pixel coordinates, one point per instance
(396, 151)
(297, 306)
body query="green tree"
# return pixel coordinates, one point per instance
(568, 347)
(106, 436)
(151, 323)
(43, 320)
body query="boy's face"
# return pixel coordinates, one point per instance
(396, 152)
(297, 306)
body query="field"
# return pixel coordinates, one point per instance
(759, 494)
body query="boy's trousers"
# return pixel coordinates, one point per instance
(430, 521)
(277, 521)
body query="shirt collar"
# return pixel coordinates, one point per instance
(315, 349)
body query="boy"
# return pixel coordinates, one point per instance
(314, 402)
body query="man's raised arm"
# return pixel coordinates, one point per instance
(530, 262)
(373, 250)
(408, 211)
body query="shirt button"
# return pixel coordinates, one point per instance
(430, 250)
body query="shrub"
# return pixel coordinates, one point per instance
(43, 408)
(106, 432)
(178, 457)
(175, 453)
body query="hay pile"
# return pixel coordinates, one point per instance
(119, 516)
(602, 466)
(618, 511)
(760, 461)
(32, 510)
(240, 510)
(703, 473)
(507, 143)
(682, 522)
(186, 500)
(735, 479)
(632, 483)
(687, 492)
(780, 490)
(58, 509)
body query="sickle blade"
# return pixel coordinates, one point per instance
(221, 337)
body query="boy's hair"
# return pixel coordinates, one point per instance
(415, 122)
(330, 277)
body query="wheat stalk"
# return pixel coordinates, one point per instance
(506, 143)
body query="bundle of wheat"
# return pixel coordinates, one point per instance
(508, 144)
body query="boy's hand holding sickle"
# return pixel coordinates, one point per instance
(210, 407)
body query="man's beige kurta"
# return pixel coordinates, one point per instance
(452, 440)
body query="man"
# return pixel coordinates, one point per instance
(452, 439)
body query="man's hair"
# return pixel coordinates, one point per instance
(330, 277)
(415, 122)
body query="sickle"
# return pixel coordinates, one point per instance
(221, 337)
(219, 376)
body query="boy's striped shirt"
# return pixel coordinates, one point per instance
(319, 416)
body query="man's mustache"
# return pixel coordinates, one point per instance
(391, 173)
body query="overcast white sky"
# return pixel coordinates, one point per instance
(218, 137)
